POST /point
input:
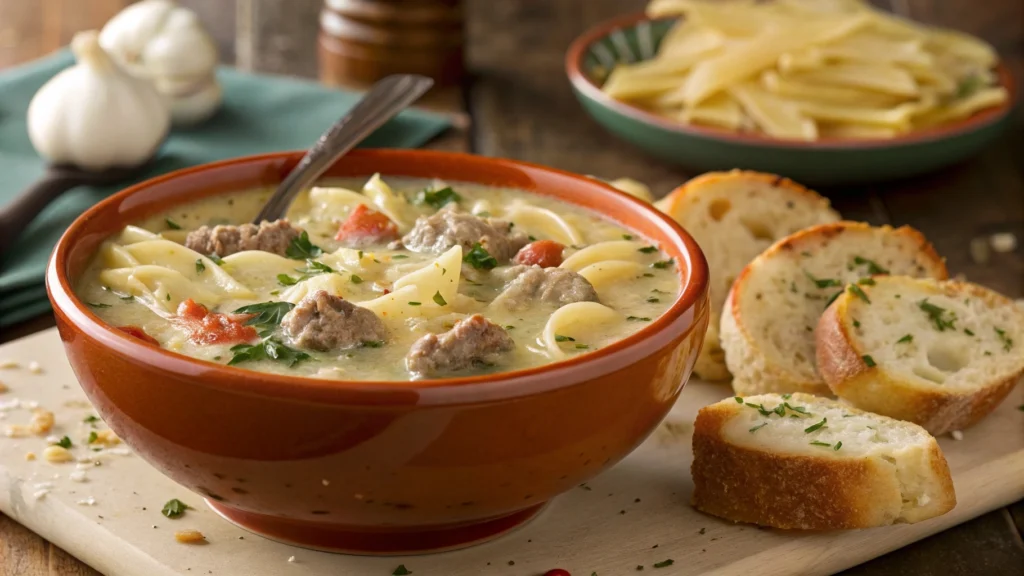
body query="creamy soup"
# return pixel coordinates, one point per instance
(370, 280)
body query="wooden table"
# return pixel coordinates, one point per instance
(521, 107)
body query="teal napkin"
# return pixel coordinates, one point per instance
(259, 114)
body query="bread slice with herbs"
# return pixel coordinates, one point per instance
(797, 461)
(942, 354)
(734, 216)
(768, 322)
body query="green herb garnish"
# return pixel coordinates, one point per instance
(653, 300)
(437, 198)
(301, 248)
(93, 436)
(313, 268)
(478, 257)
(648, 249)
(415, 303)
(856, 291)
(560, 338)
(873, 267)
(869, 361)
(856, 323)
(816, 443)
(65, 442)
(91, 419)
(402, 570)
(738, 399)
(833, 298)
(399, 257)
(907, 338)
(816, 427)
(758, 427)
(373, 343)
(968, 332)
(823, 282)
(936, 315)
(1006, 340)
(174, 508)
(838, 446)
(172, 224)
(216, 259)
(968, 86)
(866, 281)
(627, 236)
(265, 314)
(98, 305)
(662, 264)
(582, 346)
(664, 563)
(439, 300)
(200, 267)
(269, 349)
(638, 318)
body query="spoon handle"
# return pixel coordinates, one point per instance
(19, 213)
(384, 100)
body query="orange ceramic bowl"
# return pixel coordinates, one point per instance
(379, 467)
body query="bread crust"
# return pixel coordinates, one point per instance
(936, 409)
(755, 373)
(788, 491)
(711, 362)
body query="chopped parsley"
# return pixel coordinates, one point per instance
(478, 257)
(856, 323)
(313, 268)
(266, 314)
(93, 436)
(98, 305)
(302, 249)
(373, 343)
(866, 281)
(662, 264)
(653, 300)
(648, 249)
(216, 259)
(172, 224)
(582, 346)
(638, 318)
(816, 443)
(968, 86)
(873, 267)
(200, 267)
(838, 446)
(758, 427)
(437, 198)
(968, 332)
(560, 338)
(65, 442)
(402, 570)
(738, 399)
(823, 282)
(439, 300)
(816, 427)
(907, 338)
(627, 236)
(174, 508)
(937, 315)
(833, 298)
(91, 419)
(648, 275)
(664, 563)
(399, 257)
(509, 327)
(856, 291)
(415, 303)
(269, 349)
(869, 361)
(1006, 340)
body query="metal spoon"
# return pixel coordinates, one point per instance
(385, 99)
(58, 179)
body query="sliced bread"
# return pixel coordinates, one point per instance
(734, 216)
(804, 462)
(768, 322)
(939, 354)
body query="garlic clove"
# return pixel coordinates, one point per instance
(95, 115)
(126, 34)
(182, 48)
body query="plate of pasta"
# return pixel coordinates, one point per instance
(829, 92)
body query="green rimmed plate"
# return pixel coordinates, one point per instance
(635, 38)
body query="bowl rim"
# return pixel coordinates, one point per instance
(588, 89)
(683, 313)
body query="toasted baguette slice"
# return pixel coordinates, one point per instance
(734, 216)
(939, 354)
(768, 322)
(829, 467)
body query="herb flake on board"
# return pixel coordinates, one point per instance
(174, 508)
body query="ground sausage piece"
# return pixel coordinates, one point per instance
(528, 285)
(223, 239)
(446, 228)
(322, 321)
(473, 340)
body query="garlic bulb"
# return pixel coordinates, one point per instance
(95, 115)
(168, 45)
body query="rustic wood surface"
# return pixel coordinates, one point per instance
(521, 107)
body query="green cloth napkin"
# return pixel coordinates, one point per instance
(259, 114)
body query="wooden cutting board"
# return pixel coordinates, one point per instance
(636, 514)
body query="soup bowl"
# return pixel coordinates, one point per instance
(379, 467)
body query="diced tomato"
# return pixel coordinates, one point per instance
(139, 333)
(543, 253)
(366, 226)
(205, 327)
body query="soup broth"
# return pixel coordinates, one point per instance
(381, 281)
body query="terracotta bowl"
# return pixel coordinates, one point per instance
(379, 467)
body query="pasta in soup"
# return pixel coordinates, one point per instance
(381, 281)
